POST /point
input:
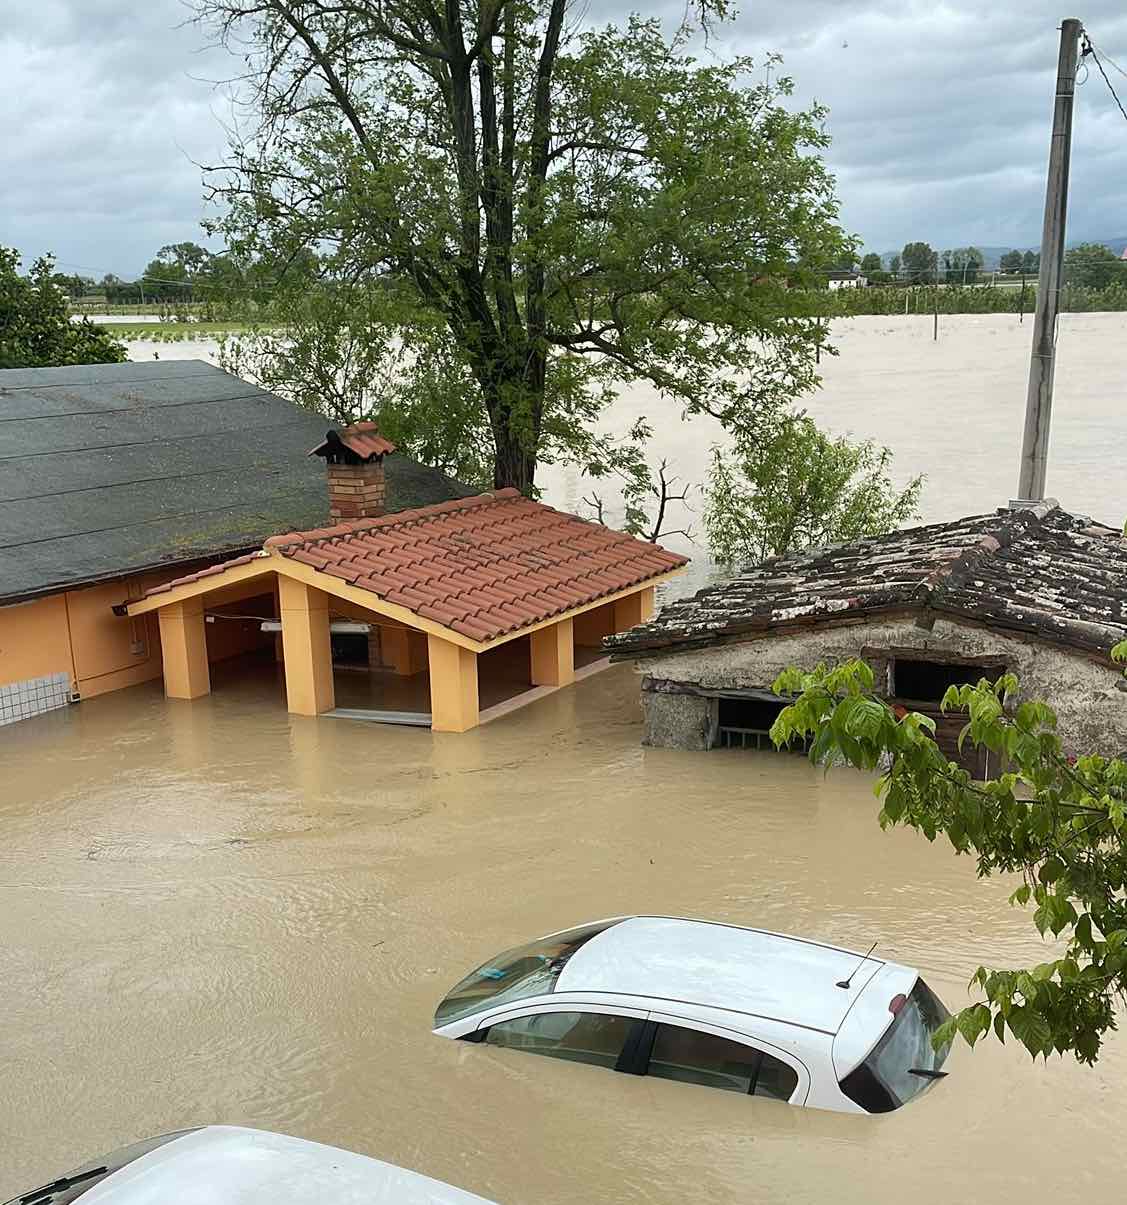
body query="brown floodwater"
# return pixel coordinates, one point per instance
(216, 912)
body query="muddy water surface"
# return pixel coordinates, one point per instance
(218, 912)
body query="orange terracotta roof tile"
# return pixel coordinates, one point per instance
(483, 566)
(363, 439)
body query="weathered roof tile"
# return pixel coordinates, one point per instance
(1041, 571)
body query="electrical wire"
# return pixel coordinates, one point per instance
(1107, 58)
(1089, 49)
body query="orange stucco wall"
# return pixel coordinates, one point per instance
(34, 640)
(77, 632)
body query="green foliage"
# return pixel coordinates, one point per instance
(575, 207)
(973, 299)
(1092, 265)
(870, 263)
(962, 265)
(1011, 261)
(36, 330)
(791, 486)
(919, 262)
(1056, 821)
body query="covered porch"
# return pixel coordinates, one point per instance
(344, 652)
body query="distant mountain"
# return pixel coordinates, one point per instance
(993, 254)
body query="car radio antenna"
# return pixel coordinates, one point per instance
(846, 982)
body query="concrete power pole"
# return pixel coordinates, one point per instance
(1039, 399)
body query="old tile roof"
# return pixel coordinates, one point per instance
(483, 566)
(1058, 577)
(362, 439)
(112, 469)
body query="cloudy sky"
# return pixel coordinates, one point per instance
(939, 110)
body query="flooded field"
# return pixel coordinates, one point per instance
(951, 409)
(217, 912)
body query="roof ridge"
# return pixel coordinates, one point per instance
(404, 518)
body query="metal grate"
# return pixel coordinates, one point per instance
(755, 738)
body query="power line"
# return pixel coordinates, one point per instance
(1108, 58)
(1090, 49)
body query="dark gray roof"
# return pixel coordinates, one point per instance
(109, 469)
(1041, 571)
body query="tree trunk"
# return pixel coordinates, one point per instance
(514, 465)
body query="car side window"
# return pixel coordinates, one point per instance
(595, 1038)
(693, 1057)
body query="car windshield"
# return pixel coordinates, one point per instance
(904, 1062)
(530, 970)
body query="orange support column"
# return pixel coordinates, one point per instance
(634, 609)
(453, 686)
(306, 647)
(183, 644)
(553, 655)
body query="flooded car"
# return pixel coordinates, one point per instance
(743, 1010)
(214, 1164)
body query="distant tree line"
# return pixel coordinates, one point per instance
(179, 273)
(1087, 265)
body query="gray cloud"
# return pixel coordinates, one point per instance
(939, 113)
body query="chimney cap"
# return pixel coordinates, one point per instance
(355, 444)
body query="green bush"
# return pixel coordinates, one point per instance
(970, 299)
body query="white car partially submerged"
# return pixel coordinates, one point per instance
(222, 1165)
(740, 1009)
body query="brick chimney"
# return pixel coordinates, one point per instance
(354, 462)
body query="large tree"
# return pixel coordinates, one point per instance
(1093, 264)
(1011, 261)
(962, 266)
(36, 328)
(535, 209)
(919, 263)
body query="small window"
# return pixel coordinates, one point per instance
(693, 1057)
(927, 681)
(596, 1038)
(744, 722)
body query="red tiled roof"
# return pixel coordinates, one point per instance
(483, 566)
(365, 440)
(362, 438)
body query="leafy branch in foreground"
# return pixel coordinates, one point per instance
(1056, 820)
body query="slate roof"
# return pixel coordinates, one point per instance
(483, 566)
(1058, 577)
(110, 469)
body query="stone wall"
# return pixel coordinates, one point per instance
(1089, 698)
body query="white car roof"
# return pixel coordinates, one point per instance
(231, 1165)
(698, 962)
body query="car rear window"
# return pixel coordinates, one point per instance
(530, 970)
(898, 1066)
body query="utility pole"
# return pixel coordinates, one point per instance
(1039, 399)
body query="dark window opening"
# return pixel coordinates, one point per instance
(350, 648)
(745, 723)
(927, 681)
